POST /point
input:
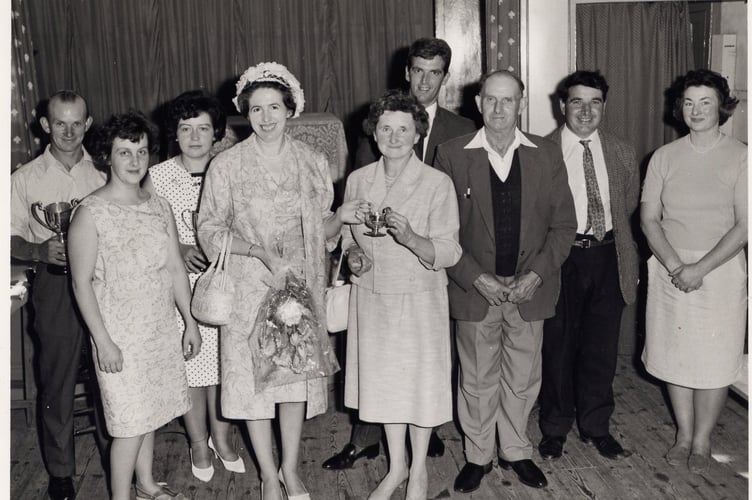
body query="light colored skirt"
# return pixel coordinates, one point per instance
(398, 367)
(696, 339)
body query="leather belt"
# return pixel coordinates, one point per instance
(589, 241)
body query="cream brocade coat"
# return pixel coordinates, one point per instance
(241, 196)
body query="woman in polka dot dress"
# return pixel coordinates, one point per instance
(195, 121)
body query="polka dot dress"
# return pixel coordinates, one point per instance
(182, 190)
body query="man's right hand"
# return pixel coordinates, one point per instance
(493, 290)
(53, 252)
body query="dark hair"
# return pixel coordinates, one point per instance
(592, 79)
(428, 48)
(500, 72)
(704, 78)
(245, 95)
(65, 95)
(396, 100)
(132, 126)
(189, 105)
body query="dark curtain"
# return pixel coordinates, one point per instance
(640, 48)
(502, 39)
(142, 53)
(23, 89)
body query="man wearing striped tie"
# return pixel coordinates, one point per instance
(598, 278)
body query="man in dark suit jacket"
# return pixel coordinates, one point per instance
(427, 71)
(517, 224)
(600, 275)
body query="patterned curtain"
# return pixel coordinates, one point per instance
(23, 89)
(503, 35)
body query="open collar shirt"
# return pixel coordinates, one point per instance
(500, 164)
(45, 179)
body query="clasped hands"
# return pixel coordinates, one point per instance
(687, 277)
(520, 290)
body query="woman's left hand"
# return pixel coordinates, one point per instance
(191, 341)
(687, 277)
(400, 228)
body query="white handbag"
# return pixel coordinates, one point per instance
(337, 299)
(213, 295)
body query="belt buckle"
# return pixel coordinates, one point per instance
(585, 243)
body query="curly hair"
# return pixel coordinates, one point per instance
(132, 126)
(245, 96)
(704, 78)
(396, 100)
(592, 79)
(189, 105)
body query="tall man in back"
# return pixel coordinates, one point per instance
(600, 275)
(63, 172)
(427, 71)
(517, 223)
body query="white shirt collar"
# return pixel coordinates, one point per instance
(570, 140)
(480, 141)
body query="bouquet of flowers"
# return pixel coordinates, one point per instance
(288, 342)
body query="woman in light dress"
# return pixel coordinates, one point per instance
(273, 193)
(694, 215)
(195, 121)
(127, 277)
(398, 345)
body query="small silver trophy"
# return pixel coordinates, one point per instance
(376, 220)
(57, 219)
(190, 219)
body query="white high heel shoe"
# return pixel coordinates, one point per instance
(202, 474)
(302, 496)
(234, 466)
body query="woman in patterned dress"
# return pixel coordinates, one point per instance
(270, 191)
(195, 120)
(694, 215)
(127, 277)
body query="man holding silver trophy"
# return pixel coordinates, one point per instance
(43, 193)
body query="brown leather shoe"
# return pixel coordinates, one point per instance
(551, 446)
(527, 472)
(607, 446)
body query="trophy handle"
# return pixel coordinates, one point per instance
(191, 221)
(37, 205)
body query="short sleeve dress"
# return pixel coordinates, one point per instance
(696, 339)
(182, 189)
(134, 291)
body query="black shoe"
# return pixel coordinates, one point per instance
(347, 457)
(470, 476)
(607, 446)
(551, 446)
(435, 446)
(61, 488)
(527, 471)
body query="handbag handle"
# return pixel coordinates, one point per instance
(224, 257)
(339, 266)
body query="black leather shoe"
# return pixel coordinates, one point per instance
(470, 476)
(607, 446)
(347, 457)
(435, 446)
(551, 446)
(526, 471)
(61, 488)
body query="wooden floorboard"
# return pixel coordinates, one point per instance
(642, 422)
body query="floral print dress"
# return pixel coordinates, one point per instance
(134, 291)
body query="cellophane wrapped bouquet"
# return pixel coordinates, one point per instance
(289, 342)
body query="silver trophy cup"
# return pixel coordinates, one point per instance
(55, 217)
